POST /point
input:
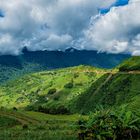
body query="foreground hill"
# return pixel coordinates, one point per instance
(12, 67)
(22, 125)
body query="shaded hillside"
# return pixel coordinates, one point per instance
(132, 64)
(14, 66)
(114, 89)
(120, 89)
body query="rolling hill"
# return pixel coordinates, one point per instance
(55, 90)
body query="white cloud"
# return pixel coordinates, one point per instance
(117, 31)
(53, 42)
(5, 41)
(57, 24)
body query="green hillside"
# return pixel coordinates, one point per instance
(22, 125)
(114, 89)
(120, 89)
(132, 64)
(49, 91)
(8, 73)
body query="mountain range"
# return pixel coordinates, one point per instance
(14, 66)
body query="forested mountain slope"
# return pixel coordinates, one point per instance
(12, 67)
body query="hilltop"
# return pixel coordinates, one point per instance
(131, 64)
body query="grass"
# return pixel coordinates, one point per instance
(33, 90)
(132, 64)
(38, 126)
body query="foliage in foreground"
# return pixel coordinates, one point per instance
(110, 125)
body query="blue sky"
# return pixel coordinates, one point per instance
(1, 14)
(117, 3)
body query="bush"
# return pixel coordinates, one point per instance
(56, 98)
(68, 85)
(52, 91)
(25, 126)
(58, 110)
(111, 125)
(15, 109)
(76, 75)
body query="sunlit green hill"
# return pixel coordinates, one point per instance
(131, 64)
(52, 91)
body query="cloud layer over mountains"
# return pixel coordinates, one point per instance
(59, 24)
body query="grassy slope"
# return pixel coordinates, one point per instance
(121, 89)
(130, 64)
(23, 125)
(33, 89)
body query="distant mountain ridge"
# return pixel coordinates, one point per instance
(28, 61)
(60, 59)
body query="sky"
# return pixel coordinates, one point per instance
(111, 26)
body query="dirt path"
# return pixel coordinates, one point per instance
(105, 72)
(20, 117)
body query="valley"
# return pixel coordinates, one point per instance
(53, 102)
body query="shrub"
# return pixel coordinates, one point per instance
(76, 75)
(25, 126)
(56, 98)
(52, 91)
(69, 85)
(58, 110)
(111, 125)
(15, 109)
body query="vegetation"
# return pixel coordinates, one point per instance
(23, 125)
(49, 91)
(59, 96)
(6, 121)
(110, 125)
(8, 73)
(12, 67)
(132, 64)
